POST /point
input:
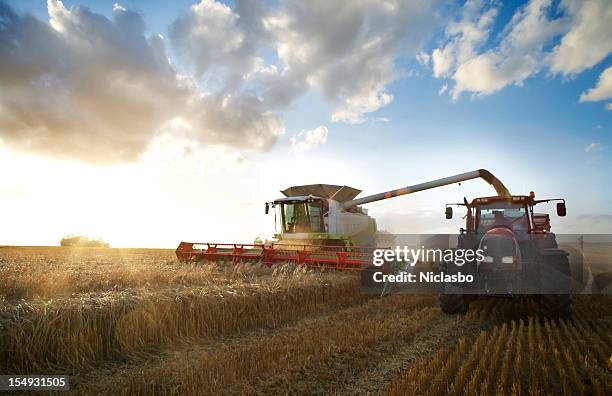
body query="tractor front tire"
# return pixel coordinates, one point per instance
(453, 304)
(556, 302)
(557, 306)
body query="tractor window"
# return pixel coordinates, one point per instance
(302, 217)
(502, 213)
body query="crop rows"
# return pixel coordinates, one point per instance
(534, 356)
(294, 359)
(50, 273)
(80, 331)
(139, 322)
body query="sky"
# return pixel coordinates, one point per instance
(150, 122)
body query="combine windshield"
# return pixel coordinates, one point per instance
(503, 213)
(302, 216)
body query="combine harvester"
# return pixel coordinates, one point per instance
(322, 226)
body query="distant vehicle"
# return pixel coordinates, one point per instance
(81, 241)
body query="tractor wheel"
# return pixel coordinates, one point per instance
(557, 306)
(453, 303)
(555, 280)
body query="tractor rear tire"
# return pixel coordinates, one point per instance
(556, 303)
(557, 306)
(453, 303)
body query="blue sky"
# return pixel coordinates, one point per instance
(370, 111)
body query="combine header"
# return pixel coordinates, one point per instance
(322, 226)
(343, 258)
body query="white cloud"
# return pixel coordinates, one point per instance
(114, 88)
(82, 86)
(353, 109)
(589, 39)
(593, 147)
(518, 56)
(222, 41)
(307, 140)
(465, 37)
(350, 60)
(521, 49)
(87, 87)
(423, 58)
(609, 106)
(118, 7)
(603, 89)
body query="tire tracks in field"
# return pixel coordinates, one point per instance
(343, 294)
(335, 373)
(351, 349)
(80, 335)
(444, 331)
(266, 361)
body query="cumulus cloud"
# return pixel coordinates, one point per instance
(351, 59)
(465, 37)
(97, 89)
(589, 39)
(307, 140)
(518, 56)
(423, 58)
(222, 41)
(603, 89)
(521, 50)
(82, 85)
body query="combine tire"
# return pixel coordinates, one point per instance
(555, 278)
(453, 303)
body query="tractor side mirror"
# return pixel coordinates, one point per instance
(561, 209)
(267, 208)
(449, 212)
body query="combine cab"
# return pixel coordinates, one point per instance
(315, 214)
(322, 225)
(520, 256)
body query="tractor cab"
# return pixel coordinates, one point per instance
(515, 212)
(513, 215)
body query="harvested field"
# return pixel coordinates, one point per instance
(133, 321)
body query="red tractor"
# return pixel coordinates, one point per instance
(519, 254)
